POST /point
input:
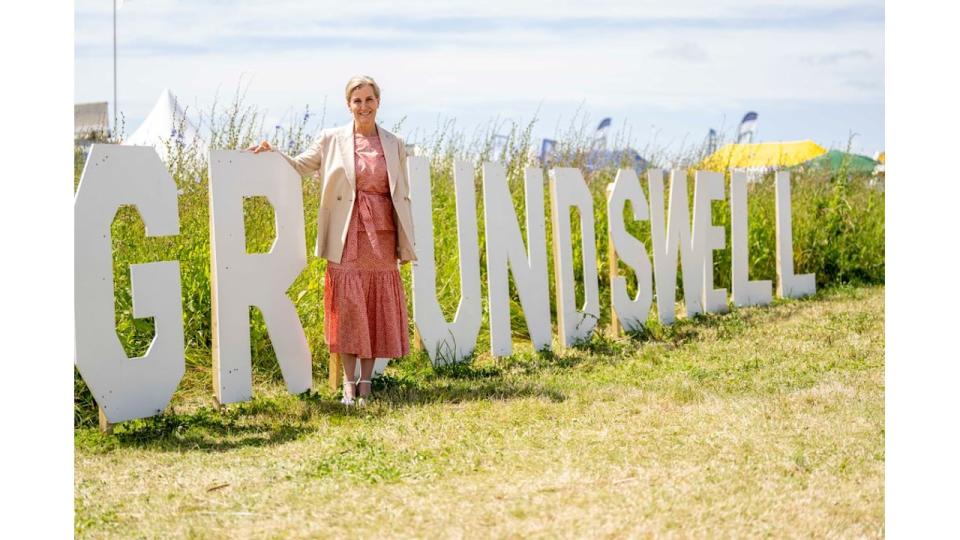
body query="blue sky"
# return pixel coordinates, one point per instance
(666, 72)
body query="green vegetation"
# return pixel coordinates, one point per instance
(763, 421)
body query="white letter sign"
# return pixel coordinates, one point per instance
(567, 188)
(633, 312)
(456, 340)
(707, 236)
(126, 388)
(240, 279)
(789, 285)
(745, 292)
(675, 241)
(505, 245)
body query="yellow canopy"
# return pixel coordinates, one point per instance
(761, 155)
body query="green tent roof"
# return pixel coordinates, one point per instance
(834, 160)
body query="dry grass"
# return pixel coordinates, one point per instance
(761, 422)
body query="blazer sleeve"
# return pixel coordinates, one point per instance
(403, 156)
(406, 177)
(308, 161)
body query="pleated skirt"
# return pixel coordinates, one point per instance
(365, 308)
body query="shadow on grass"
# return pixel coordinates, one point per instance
(413, 381)
(732, 323)
(280, 418)
(399, 394)
(207, 429)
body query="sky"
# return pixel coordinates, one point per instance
(665, 72)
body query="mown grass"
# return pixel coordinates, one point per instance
(761, 422)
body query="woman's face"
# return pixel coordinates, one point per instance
(363, 104)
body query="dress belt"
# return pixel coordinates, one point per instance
(366, 218)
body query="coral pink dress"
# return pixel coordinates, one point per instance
(365, 309)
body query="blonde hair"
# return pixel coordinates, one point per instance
(359, 81)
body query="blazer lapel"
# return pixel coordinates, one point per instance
(390, 155)
(347, 151)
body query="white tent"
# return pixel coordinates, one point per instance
(166, 124)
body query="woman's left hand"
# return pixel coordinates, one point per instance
(264, 146)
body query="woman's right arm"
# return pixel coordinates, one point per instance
(306, 163)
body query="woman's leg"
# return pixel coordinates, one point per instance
(349, 374)
(366, 372)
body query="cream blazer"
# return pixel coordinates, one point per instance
(332, 153)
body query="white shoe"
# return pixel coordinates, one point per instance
(361, 402)
(348, 400)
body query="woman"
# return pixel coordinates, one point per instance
(364, 225)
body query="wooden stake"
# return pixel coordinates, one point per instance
(214, 310)
(335, 367)
(105, 425)
(555, 235)
(612, 261)
(417, 342)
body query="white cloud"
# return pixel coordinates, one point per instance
(687, 51)
(432, 56)
(830, 59)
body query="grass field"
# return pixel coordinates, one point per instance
(761, 422)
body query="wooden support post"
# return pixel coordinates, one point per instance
(335, 367)
(105, 425)
(612, 262)
(417, 342)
